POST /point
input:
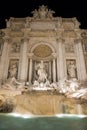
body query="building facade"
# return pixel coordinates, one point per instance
(58, 44)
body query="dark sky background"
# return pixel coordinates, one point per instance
(63, 8)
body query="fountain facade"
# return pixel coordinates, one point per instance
(44, 56)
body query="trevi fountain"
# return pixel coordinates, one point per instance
(43, 66)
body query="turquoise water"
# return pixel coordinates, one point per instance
(9, 122)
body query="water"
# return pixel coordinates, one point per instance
(57, 122)
(79, 109)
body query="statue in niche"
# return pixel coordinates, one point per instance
(41, 72)
(15, 47)
(13, 70)
(71, 69)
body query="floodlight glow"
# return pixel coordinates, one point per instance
(71, 115)
(21, 115)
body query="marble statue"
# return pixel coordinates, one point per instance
(42, 13)
(41, 73)
(13, 83)
(71, 70)
(13, 70)
(35, 14)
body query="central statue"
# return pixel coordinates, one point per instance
(41, 72)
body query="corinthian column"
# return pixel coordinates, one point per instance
(54, 67)
(5, 59)
(23, 60)
(60, 60)
(30, 67)
(81, 68)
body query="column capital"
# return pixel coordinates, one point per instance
(24, 40)
(77, 40)
(60, 40)
(7, 39)
(30, 55)
(54, 55)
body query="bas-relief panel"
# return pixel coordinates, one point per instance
(69, 48)
(69, 33)
(15, 48)
(42, 26)
(68, 25)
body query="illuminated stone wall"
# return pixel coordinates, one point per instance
(56, 41)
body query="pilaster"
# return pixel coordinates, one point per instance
(5, 59)
(23, 60)
(81, 68)
(60, 59)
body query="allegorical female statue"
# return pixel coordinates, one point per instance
(42, 75)
(71, 69)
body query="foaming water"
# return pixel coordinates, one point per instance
(71, 115)
(21, 115)
(57, 115)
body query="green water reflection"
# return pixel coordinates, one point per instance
(42, 123)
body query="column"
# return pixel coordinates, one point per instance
(4, 59)
(23, 60)
(81, 68)
(30, 67)
(54, 67)
(60, 60)
(50, 74)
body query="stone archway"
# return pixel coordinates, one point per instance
(42, 53)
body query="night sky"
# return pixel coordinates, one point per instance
(62, 8)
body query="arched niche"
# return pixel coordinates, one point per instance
(42, 52)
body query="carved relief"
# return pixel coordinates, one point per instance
(71, 69)
(42, 13)
(15, 26)
(42, 51)
(13, 68)
(15, 48)
(69, 48)
(69, 33)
